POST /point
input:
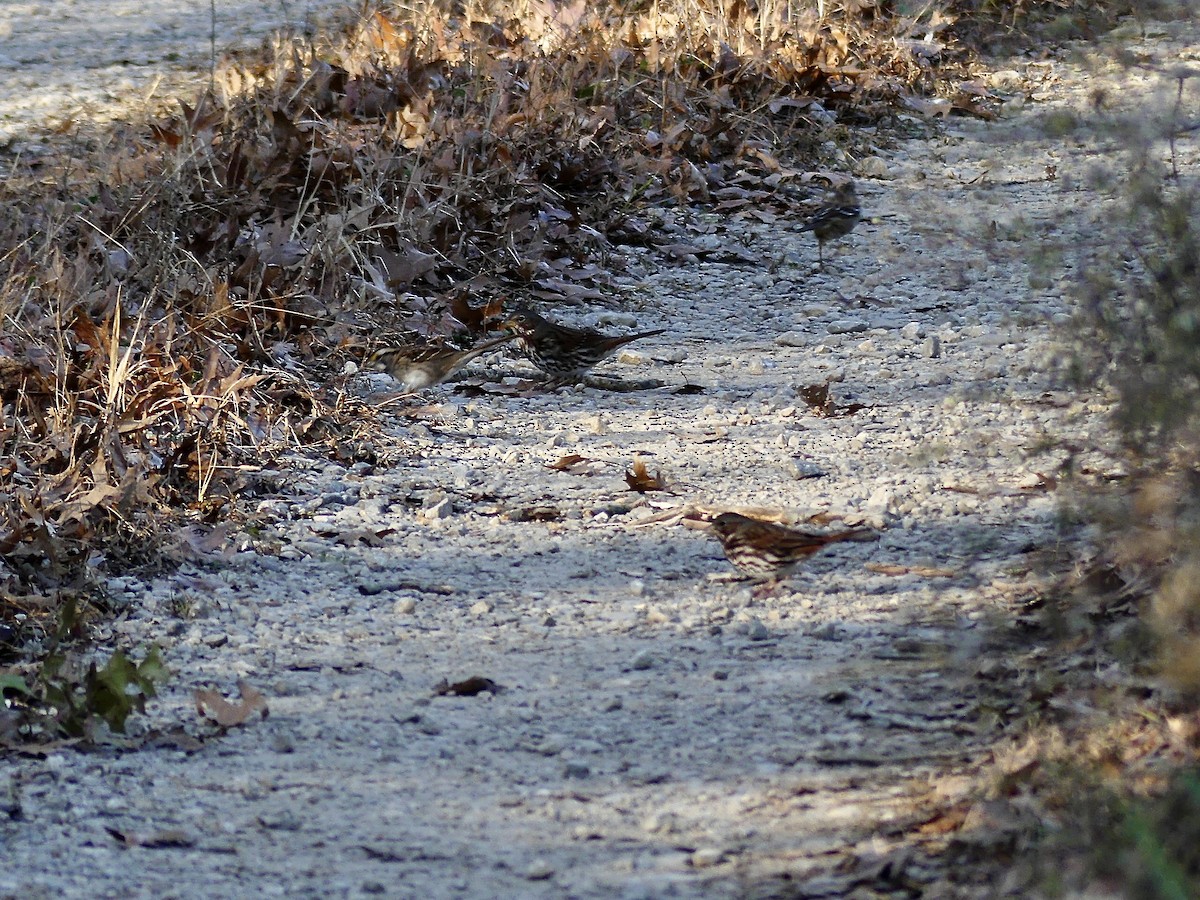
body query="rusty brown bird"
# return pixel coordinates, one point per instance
(766, 551)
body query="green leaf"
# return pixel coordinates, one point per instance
(14, 683)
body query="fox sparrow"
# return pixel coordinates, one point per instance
(560, 351)
(766, 551)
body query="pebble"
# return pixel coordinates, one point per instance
(707, 857)
(793, 339)
(539, 870)
(441, 508)
(645, 659)
(847, 326)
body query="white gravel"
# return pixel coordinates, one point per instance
(661, 731)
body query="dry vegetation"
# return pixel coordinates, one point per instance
(180, 299)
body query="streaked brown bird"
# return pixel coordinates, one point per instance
(835, 219)
(768, 552)
(418, 366)
(560, 351)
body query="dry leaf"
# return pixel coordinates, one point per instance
(210, 704)
(171, 837)
(470, 687)
(639, 478)
(566, 463)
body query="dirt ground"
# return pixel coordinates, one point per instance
(657, 730)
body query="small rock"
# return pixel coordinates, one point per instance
(574, 769)
(793, 339)
(847, 326)
(482, 608)
(439, 509)
(872, 167)
(404, 606)
(932, 348)
(655, 616)
(643, 661)
(1006, 79)
(802, 469)
(706, 857)
(283, 743)
(912, 331)
(661, 823)
(757, 631)
(539, 870)
(280, 820)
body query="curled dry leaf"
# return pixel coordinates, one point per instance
(471, 687)
(171, 837)
(639, 478)
(211, 705)
(820, 400)
(567, 463)
(475, 318)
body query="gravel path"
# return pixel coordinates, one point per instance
(64, 63)
(661, 731)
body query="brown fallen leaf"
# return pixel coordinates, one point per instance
(821, 402)
(211, 705)
(471, 687)
(566, 463)
(475, 318)
(817, 397)
(171, 837)
(639, 478)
